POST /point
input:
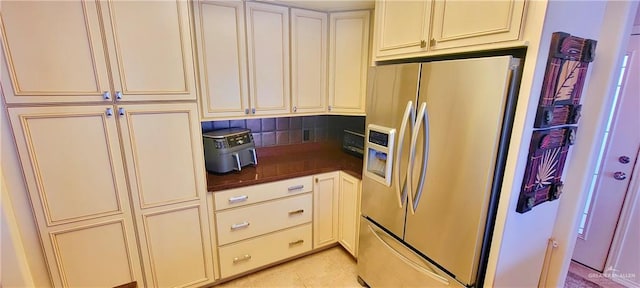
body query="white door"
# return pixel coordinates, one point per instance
(611, 181)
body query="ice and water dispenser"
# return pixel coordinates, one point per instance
(379, 153)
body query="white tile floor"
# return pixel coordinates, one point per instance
(333, 267)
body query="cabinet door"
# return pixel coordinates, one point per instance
(73, 169)
(348, 61)
(268, 42)
(308, 61)
(349, 213)
(150, 49)
(53, 52)
(325, 209)
(163, 152)
(465, 23)
(222, 57)
(401, 27)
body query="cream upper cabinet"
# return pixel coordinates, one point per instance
(220, 38)
(75, 176)
(467, 23)
(150, 49)
(349, 212)
(268, 54)
(348, 61)
(325, 210)
(133, 51)
(401, 27)
(61, 60)
(163, 152)
(406, 29)
(308, 61)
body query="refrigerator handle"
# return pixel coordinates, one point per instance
(408, 117)
(412, 155)
(425, 157)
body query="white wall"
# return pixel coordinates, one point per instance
(14, 270)
(597, 102)
(520, 240)
(15, 198)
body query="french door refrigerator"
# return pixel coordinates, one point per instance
(435, 150)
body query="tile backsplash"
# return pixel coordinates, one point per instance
(292, 130)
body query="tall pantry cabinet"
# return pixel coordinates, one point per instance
(112, 161)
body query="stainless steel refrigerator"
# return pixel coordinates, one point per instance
(435, 148)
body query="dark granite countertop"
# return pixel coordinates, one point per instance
(290, 161)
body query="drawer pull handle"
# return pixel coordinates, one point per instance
(238, 199)
(242, 258)
(297, 187)
(299, 211)
(296, 242)
(239, 225)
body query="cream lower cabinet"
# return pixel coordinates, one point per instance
(348, 61)
(163, 152)
(75, 173)
(349, 212)
(325, 202)
(263, 224)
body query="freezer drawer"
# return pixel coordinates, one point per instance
(385, 262)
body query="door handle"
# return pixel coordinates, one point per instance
(409, 116)
(412, 154)
(619, 175)
(624, 159)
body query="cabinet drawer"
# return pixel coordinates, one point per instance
(262, 192)
(242, 223)
(249, 254)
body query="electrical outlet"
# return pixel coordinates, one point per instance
(305, 135)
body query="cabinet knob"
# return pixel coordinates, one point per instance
(118, 95)
(246, 111)
(329, 108)
(295, 108)
(423, 43)
(121, 111)
(106, 95)
(109, 112)
(253, 110)
(433, 42)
